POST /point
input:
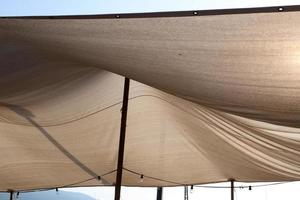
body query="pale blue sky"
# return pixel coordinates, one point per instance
(77, 7)
(67, 7)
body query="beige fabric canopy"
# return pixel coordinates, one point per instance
(217, 97)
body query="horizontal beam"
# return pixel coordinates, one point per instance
(291, 8)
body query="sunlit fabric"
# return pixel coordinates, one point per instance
(212, 98)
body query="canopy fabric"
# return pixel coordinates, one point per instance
(214, 98)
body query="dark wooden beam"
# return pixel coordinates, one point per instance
(122, 140)
(231, 11)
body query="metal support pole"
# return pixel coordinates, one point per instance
(122, 140)
(159, 193)
(186, 193)
(232, 188)
(11, 194)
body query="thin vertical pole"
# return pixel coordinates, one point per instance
(232, 188)
(122, 140)
(186, 193)
(11, 194)
(159, 193)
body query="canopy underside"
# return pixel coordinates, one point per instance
(214, 98)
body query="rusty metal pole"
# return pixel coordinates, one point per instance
(122, 140)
